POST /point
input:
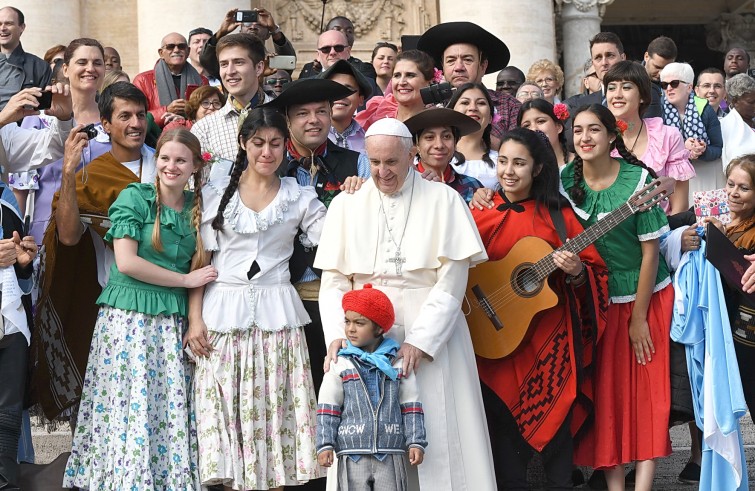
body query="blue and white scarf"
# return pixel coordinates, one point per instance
(379, 358)
(692, 126)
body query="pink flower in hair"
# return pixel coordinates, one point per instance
(561, 111)
(437, 76)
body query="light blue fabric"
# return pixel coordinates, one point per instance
(378, 358)
(701, 323)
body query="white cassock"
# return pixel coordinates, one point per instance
(441, 242)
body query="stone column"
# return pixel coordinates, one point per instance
(580, 21)
(48, 24)
(532, 36)
(156, 19)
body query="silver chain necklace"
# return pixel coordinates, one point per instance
(397, 259)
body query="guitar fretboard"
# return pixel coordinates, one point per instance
(544, 267)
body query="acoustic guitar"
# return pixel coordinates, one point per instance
(504, 298)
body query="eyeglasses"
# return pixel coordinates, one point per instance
(674, 84)
(172, 46)
(546, 80)
(711, 86)
(529, 95)
(326, 49)
(592, 74)
(277, 81)
(207, 104)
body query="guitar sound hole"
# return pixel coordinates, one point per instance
(526, 283)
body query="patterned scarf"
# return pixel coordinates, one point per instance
(692, 126)
(378, 358)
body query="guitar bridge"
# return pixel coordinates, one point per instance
(482, 301)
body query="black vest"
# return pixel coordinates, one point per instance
(338, 164)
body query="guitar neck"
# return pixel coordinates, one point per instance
(546, 266)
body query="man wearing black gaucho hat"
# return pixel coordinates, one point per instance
(314, 161)
(465, 52)
(435, 132)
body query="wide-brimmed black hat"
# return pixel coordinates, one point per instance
(343, 66)
(304, 91)
(436, 39)
(438, 117)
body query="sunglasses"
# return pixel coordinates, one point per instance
(592, 74)
(172, 46)
(326, 49)
(277, 81)
(674, 84)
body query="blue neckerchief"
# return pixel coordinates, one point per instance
(379, 358)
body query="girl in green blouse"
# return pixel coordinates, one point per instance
(135, 428)
(632, 380)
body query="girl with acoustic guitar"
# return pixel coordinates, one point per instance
(632, 396)
(538, 397)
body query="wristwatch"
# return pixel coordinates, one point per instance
(276, 31)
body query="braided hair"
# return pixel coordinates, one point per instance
(546, 108)
(460, 158)
(608, 120)
(258, 118)
(186, 138)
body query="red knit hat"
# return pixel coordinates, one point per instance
(371, 303)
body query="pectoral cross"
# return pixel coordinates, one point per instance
(397, 260)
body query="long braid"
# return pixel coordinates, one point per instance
(486, 142)
(197, 261)
(630, 157)
(233, 185)
(576, 192)
(157, 243)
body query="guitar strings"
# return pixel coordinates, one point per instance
(502, 296)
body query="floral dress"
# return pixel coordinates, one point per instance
(135, 429)
(254, 394)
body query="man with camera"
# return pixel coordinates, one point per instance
(258, 22)
(170, 83)
(18, 69)
(465, 52)
(77, 261)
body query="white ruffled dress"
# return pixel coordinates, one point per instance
(254, 396)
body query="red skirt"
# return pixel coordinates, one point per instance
(632, 401)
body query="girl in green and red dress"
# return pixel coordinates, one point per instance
(632, 396)
(538, 398)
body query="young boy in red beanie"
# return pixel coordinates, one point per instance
(368, 412)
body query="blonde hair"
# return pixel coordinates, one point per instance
(112, 77)
(186, 138)
(546, 65)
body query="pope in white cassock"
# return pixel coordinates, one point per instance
(414, 240)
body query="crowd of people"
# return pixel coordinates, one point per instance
(227, 278)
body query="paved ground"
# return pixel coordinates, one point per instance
(49, 445)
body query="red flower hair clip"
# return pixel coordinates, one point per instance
(561, 111)
(621, 126)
